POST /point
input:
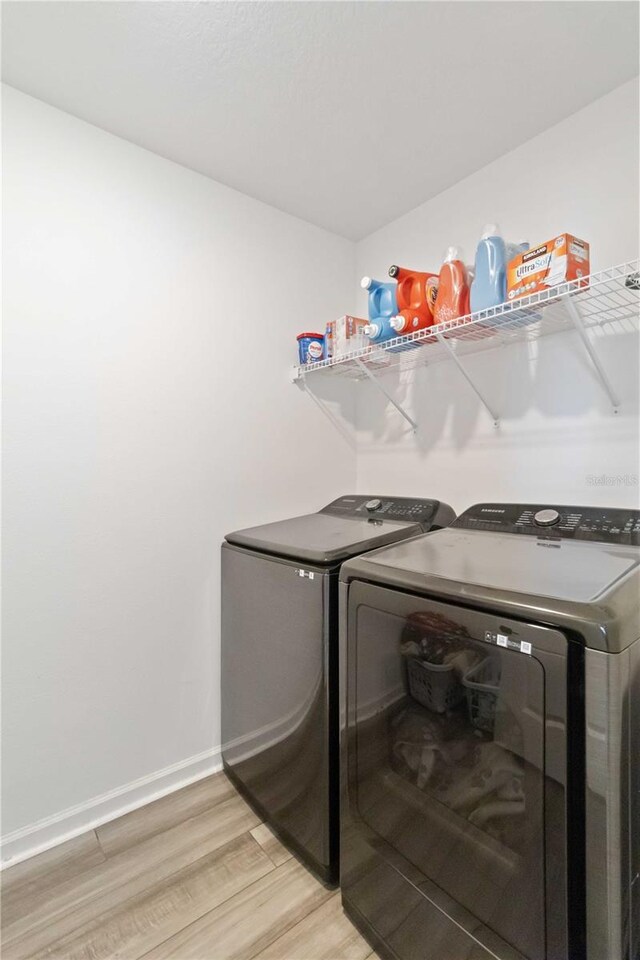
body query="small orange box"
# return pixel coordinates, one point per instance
(540, 268)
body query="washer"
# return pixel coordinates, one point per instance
(491, 738)
(280, 660)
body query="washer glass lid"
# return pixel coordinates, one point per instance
(565, 570)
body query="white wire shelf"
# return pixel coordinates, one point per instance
(607, 302)
(608, 299)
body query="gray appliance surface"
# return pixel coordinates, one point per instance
(579, 572)
(275, 693)
(501, 571)
(397, 747)
(279, 660)
(567, 576)
(344, 528)
(612, 803)
(321, 538)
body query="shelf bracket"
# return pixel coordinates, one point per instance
(298, 377)
(456, 359)
(331, 417)
(576, 319)
(362, 366)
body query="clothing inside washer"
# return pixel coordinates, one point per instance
(451, 744)
(451, 754)
(461, 768)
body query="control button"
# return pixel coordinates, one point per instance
(373, 504)
(546, 518)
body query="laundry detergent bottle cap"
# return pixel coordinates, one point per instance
(365, 283)
(398, 323)
(491, 230)
(453, 253)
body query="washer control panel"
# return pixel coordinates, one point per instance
(400, 509)
(604, 524)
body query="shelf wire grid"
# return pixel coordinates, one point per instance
(607, 302)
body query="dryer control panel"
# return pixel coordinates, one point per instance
(400, 509)
(604, 524)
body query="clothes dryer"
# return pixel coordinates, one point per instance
(491, 738)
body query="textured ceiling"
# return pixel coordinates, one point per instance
(345, 114)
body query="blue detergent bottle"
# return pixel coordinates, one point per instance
(383, 305)
(489, 287)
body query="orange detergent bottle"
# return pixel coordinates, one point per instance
(452, 300)
(416, 296)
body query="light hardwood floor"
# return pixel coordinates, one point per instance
(193, 876)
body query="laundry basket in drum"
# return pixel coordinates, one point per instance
(482, 687)
(435, 685)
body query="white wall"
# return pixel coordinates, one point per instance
(557, 426)
(148, 411)
(148, 314)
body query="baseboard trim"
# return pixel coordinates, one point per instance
(45, 834)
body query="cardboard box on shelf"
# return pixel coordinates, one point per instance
(349, 335)
(547, 265)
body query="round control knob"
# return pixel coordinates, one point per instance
(546, 518)
(373, 504)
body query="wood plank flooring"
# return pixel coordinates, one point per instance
(193, 876)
